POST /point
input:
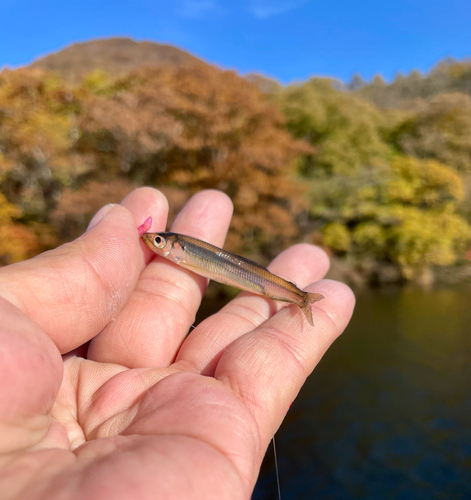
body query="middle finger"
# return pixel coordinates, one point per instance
(159, 313)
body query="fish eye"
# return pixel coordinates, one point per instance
(159, 242)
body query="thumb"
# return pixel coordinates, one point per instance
(72, 292)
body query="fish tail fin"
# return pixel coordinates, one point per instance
(309, 299)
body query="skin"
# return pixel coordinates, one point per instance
(102, 394)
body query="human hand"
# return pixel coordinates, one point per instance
(142, 410)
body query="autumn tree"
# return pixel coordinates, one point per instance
(440, 129)
(194, 129)
(405, 214)
(37, 114)
(181, 129)
(37, 127)
(386, 186)
(17, 242)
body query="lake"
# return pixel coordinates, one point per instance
(387, 412)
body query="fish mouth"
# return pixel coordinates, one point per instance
(148, 237)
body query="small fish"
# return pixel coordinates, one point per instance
(227, 268)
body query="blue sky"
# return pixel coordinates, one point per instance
(290, 40)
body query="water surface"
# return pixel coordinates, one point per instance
(387, 412)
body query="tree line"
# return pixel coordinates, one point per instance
(383, 188)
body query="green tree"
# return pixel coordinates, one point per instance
(345, 130)
(440, 129)
(447, 76)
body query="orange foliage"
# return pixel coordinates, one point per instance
(196, 129)
(17, 243)
(69, 149)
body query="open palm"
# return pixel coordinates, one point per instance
(137, 409)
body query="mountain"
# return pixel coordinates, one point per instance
(115, 56)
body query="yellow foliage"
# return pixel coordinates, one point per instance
(43, 130)
(16, 241)
(36, 120)
(367, 192)
(370, 236)
(337, 236)
(424, 180)
(8, 211)
(5, 165)
(406, 214)
(428, 238)
(401, 190)
(97, 80)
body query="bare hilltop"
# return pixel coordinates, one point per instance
(115, 56)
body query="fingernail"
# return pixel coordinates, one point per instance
(100, 215)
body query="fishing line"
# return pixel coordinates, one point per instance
(276, 467)
(275, 456)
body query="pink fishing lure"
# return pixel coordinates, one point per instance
(143, 228)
